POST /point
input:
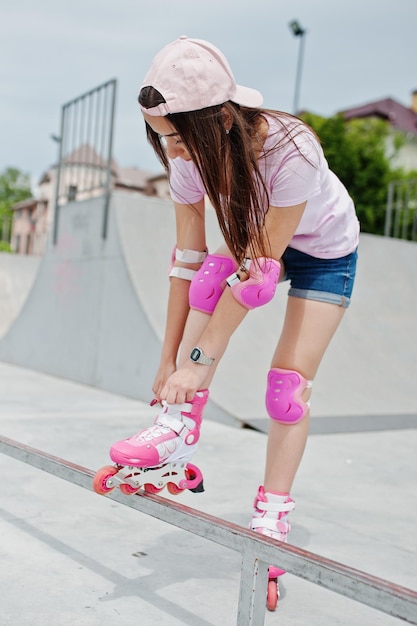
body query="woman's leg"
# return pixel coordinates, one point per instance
(308, 329)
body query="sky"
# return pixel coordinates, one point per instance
(53, 51)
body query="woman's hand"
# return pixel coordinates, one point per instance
(164, 372)
(183, 384)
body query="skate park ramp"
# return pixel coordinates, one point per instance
(85, 319)
(96, 315)
(17, 275)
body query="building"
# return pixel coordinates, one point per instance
(82, 176)
(30, 226)
(403, 121)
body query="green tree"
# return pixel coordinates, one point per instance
(14, 187)
(356, 152)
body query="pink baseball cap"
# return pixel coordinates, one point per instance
(192, 74)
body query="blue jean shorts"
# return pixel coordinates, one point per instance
(326, 280)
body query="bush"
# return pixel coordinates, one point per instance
(356, 152)
(5, 247)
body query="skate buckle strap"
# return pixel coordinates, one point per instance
(184, 427)
(275, 507)
(171, 422)
(268, 523)
(174, 409)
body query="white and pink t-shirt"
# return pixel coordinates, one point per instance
(328, 228)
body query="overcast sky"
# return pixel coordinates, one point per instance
(52, 51)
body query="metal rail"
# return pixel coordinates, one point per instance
(257, 551)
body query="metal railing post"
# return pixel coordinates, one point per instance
(252, 592)
(113, 84)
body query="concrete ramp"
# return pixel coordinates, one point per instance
(96, 315)
(371, 365)
(82, 319)
(17, 275)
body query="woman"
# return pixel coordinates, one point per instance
(284, 216)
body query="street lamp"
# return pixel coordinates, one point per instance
(298, 31)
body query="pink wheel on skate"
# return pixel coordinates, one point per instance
(149, 488)
(174, 489)
(101, 480)
(128, 490)
(272, 594)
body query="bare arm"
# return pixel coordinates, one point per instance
(190, 234)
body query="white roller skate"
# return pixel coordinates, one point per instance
(270, 518)
(158, 456)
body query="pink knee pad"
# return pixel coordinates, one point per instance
(209, 282)
(283, 399)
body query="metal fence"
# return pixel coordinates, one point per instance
(85, 149)
(257, 550)
(401, 214)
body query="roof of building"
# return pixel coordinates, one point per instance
(400, 117)
(29, 203)
(133, 177)
(128, 177)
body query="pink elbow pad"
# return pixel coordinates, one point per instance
(209, 282)
(259, 288)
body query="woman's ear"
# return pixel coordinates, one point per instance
(227, 119)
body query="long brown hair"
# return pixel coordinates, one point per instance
(228, 166)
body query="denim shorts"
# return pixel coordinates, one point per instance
(326, 280)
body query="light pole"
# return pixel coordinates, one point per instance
(298, 31)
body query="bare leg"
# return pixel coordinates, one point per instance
(308, 329)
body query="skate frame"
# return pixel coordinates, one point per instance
(257, 550)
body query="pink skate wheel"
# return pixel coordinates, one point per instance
(100, 480)
(272, 594)
(149, 488)
(128, 490)
(174, 489)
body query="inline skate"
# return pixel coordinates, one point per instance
(158, 456)
(270, 517)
